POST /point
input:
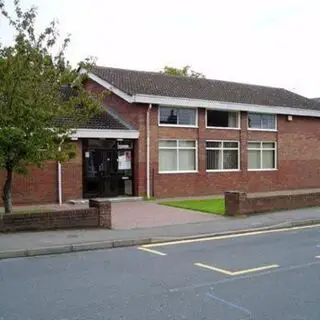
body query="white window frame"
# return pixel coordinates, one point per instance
(179, 148)
(222, 150)
(177, 125)
(275, 149)
(223, 128)
(261, 129)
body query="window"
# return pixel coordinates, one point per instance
(222, 155)
(177, 155)
(222, 119)
(262, 121)
(177, 116)
(261, 155)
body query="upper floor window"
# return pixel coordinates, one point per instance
(177, 116)
(262, 121)
(222, 119)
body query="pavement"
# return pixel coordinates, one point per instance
(65, 241)
(271, 275)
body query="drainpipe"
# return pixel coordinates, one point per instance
(59, 182)
(148, 149)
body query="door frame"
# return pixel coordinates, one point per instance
(86, 148)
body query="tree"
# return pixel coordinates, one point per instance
(186, 71)
(36, 118)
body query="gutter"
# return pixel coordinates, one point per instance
(148, 149)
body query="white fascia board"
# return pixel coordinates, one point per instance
(108, 86)
(232, 106)
(105, 133)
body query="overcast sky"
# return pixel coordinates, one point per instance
(269, 42)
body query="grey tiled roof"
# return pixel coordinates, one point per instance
(107, 119)
(154, 83)
(104, 120)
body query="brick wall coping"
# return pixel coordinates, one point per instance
(281, 193)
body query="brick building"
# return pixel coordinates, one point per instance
(172, 136)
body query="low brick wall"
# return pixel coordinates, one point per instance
(98, 215)
(238, 202)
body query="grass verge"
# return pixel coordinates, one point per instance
(215, 206)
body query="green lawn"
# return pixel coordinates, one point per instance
(205, 205)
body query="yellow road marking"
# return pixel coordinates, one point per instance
(231, 236)
(152, 251)
(205, 266)
(272, 266)
(235, 273)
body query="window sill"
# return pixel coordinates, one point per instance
(177, 126)
(253, 170)
(227, 170)
(223, 128)
(265, 130)
(177, 172)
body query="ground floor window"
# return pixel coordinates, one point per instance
(261, 155)
(222, 155)
(177, 156)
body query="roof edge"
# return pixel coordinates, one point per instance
(198, 103)
(125, 96)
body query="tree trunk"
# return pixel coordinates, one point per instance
(7, 193)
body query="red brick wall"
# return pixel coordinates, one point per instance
(97, 215)
(238, 203)
(72, 176)
(298, 158)
(40, 185)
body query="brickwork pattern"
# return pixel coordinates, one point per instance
(238, 203)
(298, 159)
(98, 215)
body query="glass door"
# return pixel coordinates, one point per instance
(100, 173)
(107, 168)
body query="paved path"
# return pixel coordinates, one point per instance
(186, 283)
(49, 239)
(146, 214)
(133, 214)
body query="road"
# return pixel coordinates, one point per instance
(272, 275)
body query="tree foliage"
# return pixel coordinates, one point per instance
(36, 119)
(185, 71)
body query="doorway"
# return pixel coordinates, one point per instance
(107, 168)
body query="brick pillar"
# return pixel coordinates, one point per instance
(104, 212)
(234, 201)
